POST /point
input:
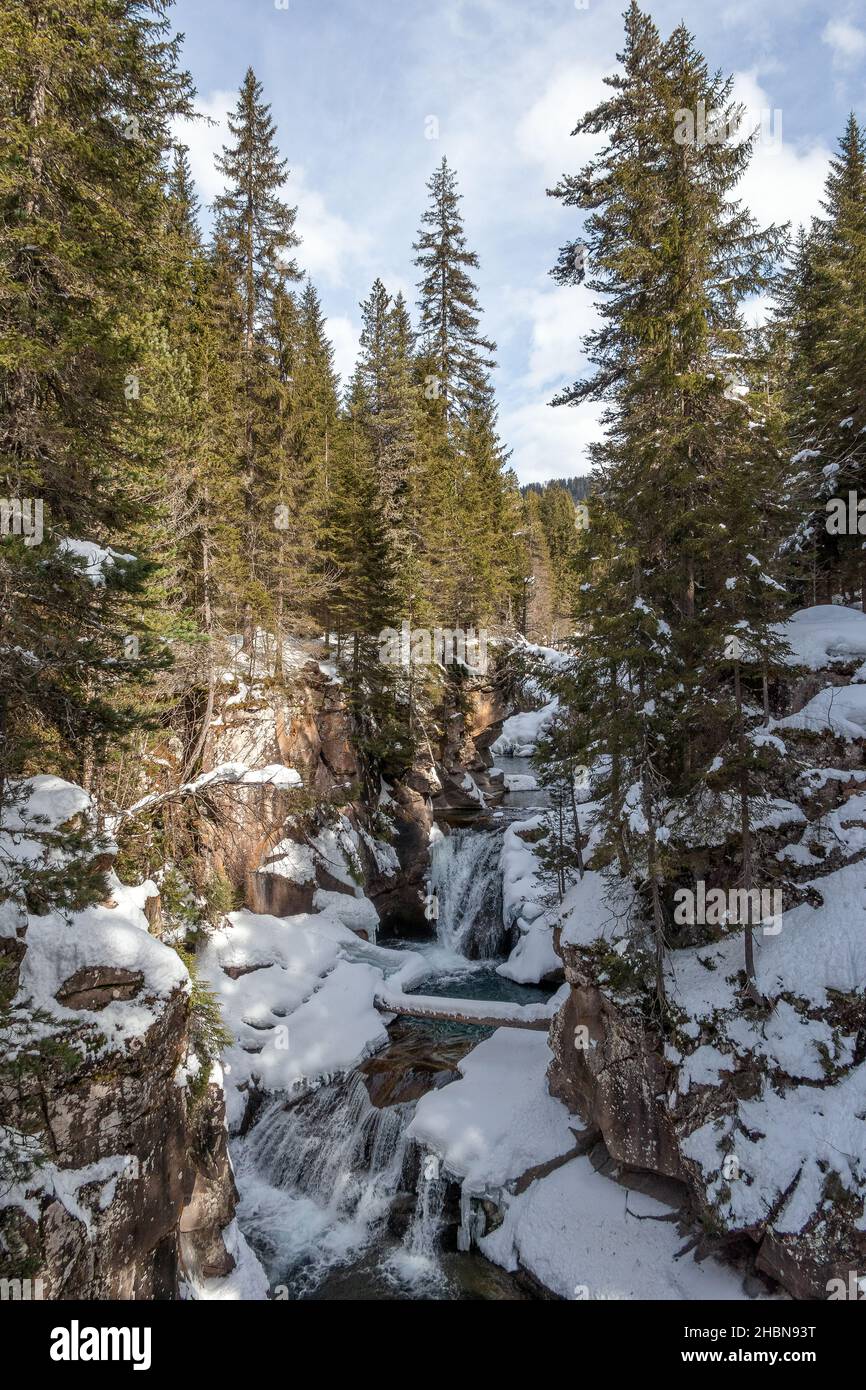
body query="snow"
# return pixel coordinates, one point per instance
(102, 936)
(275, 775)
(247, 1282)
(790, 1041)
(790, 1134)
(472, 789)
(64, 1184)
(817, 950)
(824, 635)
(785, 1140)
(586, 913)
(533, 957)
(702, 1068)
(521, 887)
(227, 774)
(521, 732)
(521, 782)
(821, 949)
(481, 1009)
(96, 560)
(356, 912)
(336, 846)
(302, 1012)
(498, 1120)
(839, 709)
(36, 808)
(584, 1237)
(44, 802)
(290, 860)
(384, 854)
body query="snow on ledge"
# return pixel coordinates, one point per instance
(824, 635)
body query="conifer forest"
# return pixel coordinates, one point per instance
(432, 666)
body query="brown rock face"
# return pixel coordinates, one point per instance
(614, 1075)
(305, 726)
(279, 896)
(401, 902)
(615, 1083)
(487, 711)
(212, 1202)
(123, 1112)
(138, 1167)
(99, 986)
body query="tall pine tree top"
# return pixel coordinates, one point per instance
(450, 314)
(253, 220)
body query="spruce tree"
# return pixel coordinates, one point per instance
(822, 313)
(457, 353)
(256, 229)
(673, 255)
(88, 95)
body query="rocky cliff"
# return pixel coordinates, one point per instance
(756, 1107)
(121, 1185)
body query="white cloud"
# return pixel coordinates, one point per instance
(560, 320)
(846, 40)
(205, 139)
(543, 134)
(547, 327)
(344, 335)
(548, 442)
(784, 182)
(329, 244)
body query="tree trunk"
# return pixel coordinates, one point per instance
(745, 844)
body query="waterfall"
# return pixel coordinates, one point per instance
(319, 1178)
(422, 1237)
(415, 1262)
(464, 874)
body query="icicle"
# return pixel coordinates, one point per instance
(464, 1231)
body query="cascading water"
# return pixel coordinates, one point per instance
(464, 874)
(319, 1179)
(325, 1182)
(416, 1262)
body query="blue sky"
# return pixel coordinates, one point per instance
(353, 85)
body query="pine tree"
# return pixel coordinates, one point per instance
(257, 227)
(822, 312)
(465, 457)
(673, 256)
(374, 525)
(88, 94)
(256, 230)
(458, 354)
